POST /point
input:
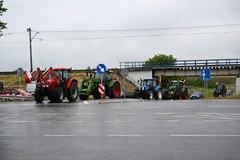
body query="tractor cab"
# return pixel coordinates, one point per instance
(63, 73)
(149, 83)
(176, 86)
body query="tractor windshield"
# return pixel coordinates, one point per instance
(149, 82)
(175, 84)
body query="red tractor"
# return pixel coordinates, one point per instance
(55, 83)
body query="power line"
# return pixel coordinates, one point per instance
(141, 36)
(130, 36)
(206, 32)
(147, 29)
(12, 33)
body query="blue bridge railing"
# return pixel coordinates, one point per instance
(185, 63)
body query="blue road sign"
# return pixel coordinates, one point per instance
(101, 68)
(205, 74)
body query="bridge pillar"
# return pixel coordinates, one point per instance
(237, 85)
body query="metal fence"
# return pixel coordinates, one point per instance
(186, 63)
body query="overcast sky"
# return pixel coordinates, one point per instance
(83, 33)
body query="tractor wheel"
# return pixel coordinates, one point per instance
(72, 92)
(51, 97)
(149, 95)
(84, 97)
(164, 95)
(38, 95)
(59, 96)
(158, 95)
(178, 95)
(96, 95)
(115, 91)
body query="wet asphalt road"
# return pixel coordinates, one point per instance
(121, 130)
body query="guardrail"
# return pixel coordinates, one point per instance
(5, 97)
(185, 63)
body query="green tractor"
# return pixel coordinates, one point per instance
(220, 90)
(89, 86)
(176, 90)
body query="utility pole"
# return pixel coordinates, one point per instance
(30, 46)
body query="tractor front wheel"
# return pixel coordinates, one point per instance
(73, 92)
(51, 96)
(149, 95)
(84, 97)
(59, 94)
(38, 95)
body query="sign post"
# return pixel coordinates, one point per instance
(205, 76)
(124, 73)
(20, 74)
(101, 69)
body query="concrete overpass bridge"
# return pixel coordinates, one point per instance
(188, 68)
(218, 67)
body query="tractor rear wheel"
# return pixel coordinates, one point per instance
(59, 96)
(115, 91)
(38, 95)
(158, 95)
(72, 92)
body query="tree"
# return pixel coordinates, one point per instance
(160, 60)
(2, 24)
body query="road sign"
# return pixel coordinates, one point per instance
(101, 68)
(124, 72)
(205, 74)
(20, 72)
(101, 89)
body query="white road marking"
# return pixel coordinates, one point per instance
(117, 121)
(85, 102)
(8, 114)
(6, 135)
(221, 116)
(224, 106)
(126, 113)
(125, 135)
(165, 113)
(90, 113)
(166, 121)
(74, 121)
(59, 135)
(215, 120)
(205, 135)
(47, 114)
(23, 121)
